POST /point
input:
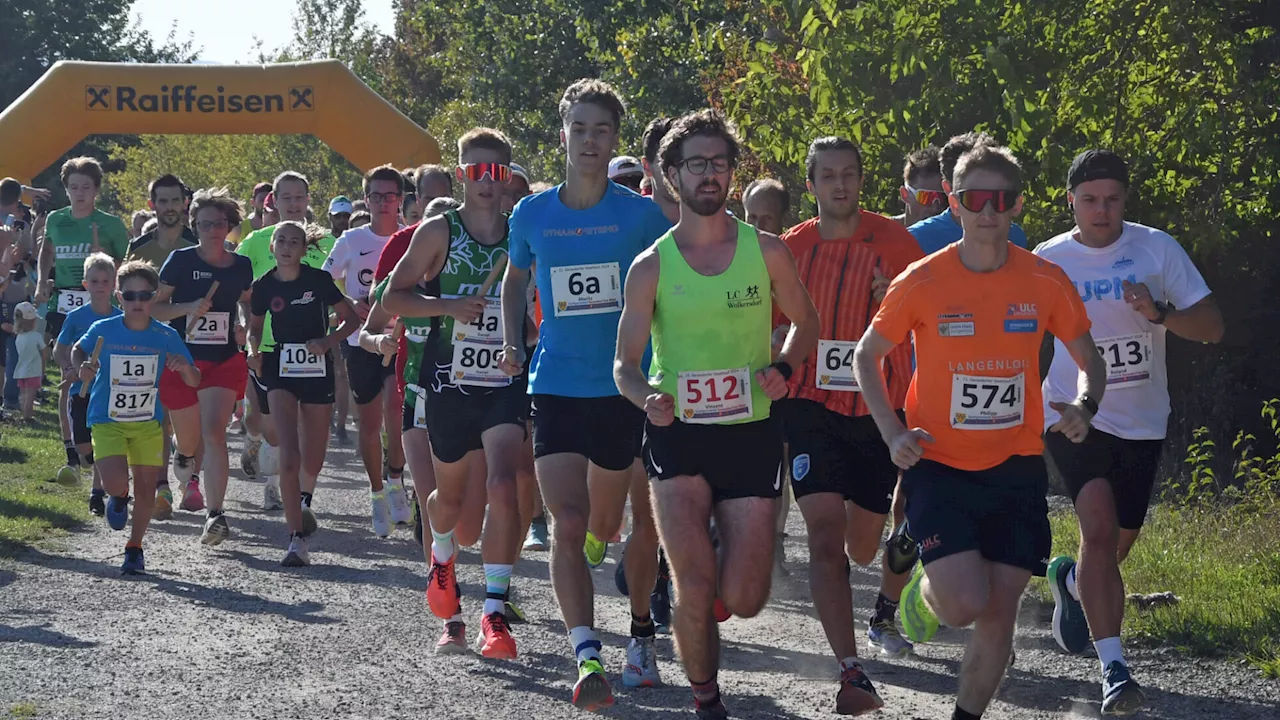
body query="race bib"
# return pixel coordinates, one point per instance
(835, 366)
(133, 388)
(69, 300)
(1128, 359)
(586, 289)
(986, 403)
(485, 329)
(709, 397)
(297, 361)
(476, 363)
(419, 406)
(212, 328)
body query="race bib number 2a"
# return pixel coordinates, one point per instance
(212, 328)
(986, 403)
(297, 361)
(1128, 359)
(69, 300)
(133, 388)
(715, 396)
(586, 289)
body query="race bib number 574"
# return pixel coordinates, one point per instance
(986, 403)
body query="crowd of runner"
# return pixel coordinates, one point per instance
(553, 352)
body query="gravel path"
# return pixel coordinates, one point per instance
(228, 633)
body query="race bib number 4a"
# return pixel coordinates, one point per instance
(835, 366)
(1128, 359)
(296, 361)
(709, 397)
(69, 300)
(133, 388)
(586, 289)
(212, 328)
(986, 403)
(485, 329)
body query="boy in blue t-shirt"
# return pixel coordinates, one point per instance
(124, 409)
(100, 281)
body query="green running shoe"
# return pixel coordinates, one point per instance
(917, 618)
(592, 691)
(595, 550)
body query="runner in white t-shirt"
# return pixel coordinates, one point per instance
(373, 384)
(1137, 284)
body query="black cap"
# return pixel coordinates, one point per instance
(1097, 165)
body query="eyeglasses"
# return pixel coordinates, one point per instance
(1001, 201)
(699, 165)
(137, 295)
(378, 198)
(926, 197)
(495, 171)
(207, 225)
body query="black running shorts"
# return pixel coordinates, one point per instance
(737, 461)
(1130, 466)
(833, 453)
(605, 430)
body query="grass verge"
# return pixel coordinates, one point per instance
(1223, 562)
(32, 506)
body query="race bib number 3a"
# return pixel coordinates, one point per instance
(296, 361)
(586, 289)
(986, 403)
(835, 366)
(133, 388)
(69, 300)
(212, 328)
(715, 396)
(1128, 359)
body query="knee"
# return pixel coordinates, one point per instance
(860, 551)
(569, 526)
(1098, 532)
(959, 608)
(745, 599)
(501, 488)
(825, 546)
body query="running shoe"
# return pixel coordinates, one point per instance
(454, 639)
(1121, 694)
(642, 664)
(857, 695)
(381, 512)
(182, 465)
(720, 611)
(68, 475)
(216, 530)
(1070, 628)
(192, 500)
(442, 589)
(514, 614)
(595, 550)
(712, 709)
(884, 636)
(309, 522)
(917, 618)
(400, 512)
(97, 502)
(297, 555)
(249, 457)
(495, 636)
(537, 540)
(342, 437)
(592, 691)
(133, 564)
(117, 512)
(271, 499)
(163, 509)
(900, 551)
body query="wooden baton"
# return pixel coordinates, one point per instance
(97, 350)
(395, 337)
(191, 323)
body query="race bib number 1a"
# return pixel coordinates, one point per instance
(133, 388)
(212, 328)
(1128, 359)
(296, 361)
(709, 397)
(586, 289)
(986, 403)
(69, 300)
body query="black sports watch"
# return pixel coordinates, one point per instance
(1163, 309)
(1089, 404)
(784, 369)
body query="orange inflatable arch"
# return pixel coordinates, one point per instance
(321, 98)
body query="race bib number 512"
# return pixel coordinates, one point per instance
(986, 403)
(715, 396)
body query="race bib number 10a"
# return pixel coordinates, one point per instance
(986, 403)
(715, 396)
(586, 289)
(69, 300)
(296, 361)
(133, 388)
(1128, 359)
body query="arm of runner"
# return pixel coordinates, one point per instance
(164, 310)
(424, 259)
(246, 313)
(380, 343)
(794, 302)
(253, 341)
(904, 445)
(1201, 322)
(87, 366)
(44, 270)
(1075, 419)
(346, 312)
(640, 291)
(515, 318)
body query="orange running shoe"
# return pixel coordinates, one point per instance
(454, 639)
(495, 634)
(442, 590)
(721, 612)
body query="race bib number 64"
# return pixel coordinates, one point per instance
(715, 396)
(986, 403)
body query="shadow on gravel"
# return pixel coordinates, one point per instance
(41, 635)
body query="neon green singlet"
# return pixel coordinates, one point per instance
(710, 323)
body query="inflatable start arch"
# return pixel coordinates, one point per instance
(321, 98)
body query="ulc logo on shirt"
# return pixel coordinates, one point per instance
(1021, 318)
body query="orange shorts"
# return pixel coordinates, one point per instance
(231, 374)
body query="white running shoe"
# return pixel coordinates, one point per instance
(271, 499)
(216, 530)
(297, 555)
(381, 513)
(642, 664)
(268, 459)
(401, 513)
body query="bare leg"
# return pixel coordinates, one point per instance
(444, 506)
(987, 656)
(563, 480)
(417, 452)
(145, 478)
(502, 446)
(892, 584)
(746, 553)
(608, 499)
(216, 406)
(392, 413)
(824, 518)
(285, 416)
(186, 430)
(641, 559)
(314, 443)
(370, 436)
(682, 506)
(1098, 572)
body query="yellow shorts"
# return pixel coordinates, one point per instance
(141, 442)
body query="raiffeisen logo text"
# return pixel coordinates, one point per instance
(192, 99)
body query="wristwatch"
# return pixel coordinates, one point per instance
(1089, 404)
(1163, 309)
(784, 369)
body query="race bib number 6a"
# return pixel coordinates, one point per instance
(715, 396)
(69, 300)
(212, 328)
(1128, 359)
(586, 289)
(133, 388)
(986, 403)
(297, 361)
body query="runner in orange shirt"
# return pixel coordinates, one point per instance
(975, 479)
(841, 472)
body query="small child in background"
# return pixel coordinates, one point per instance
(32, 356)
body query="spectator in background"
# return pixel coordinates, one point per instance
(136, 223)
(340, 209)
(270, 215)
(257, 218)
(626, 170)
(517, 188)
(16, 287)
(32, 353)
(766, 203)
(921, 191)
(360, 218)
(410, 212)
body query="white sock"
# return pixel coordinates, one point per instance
(255, 437)
(849, 662)
(584, 643)
(1071, 582)
(268, 460)
(456, 618)
(1109, 651)
(442, 546)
